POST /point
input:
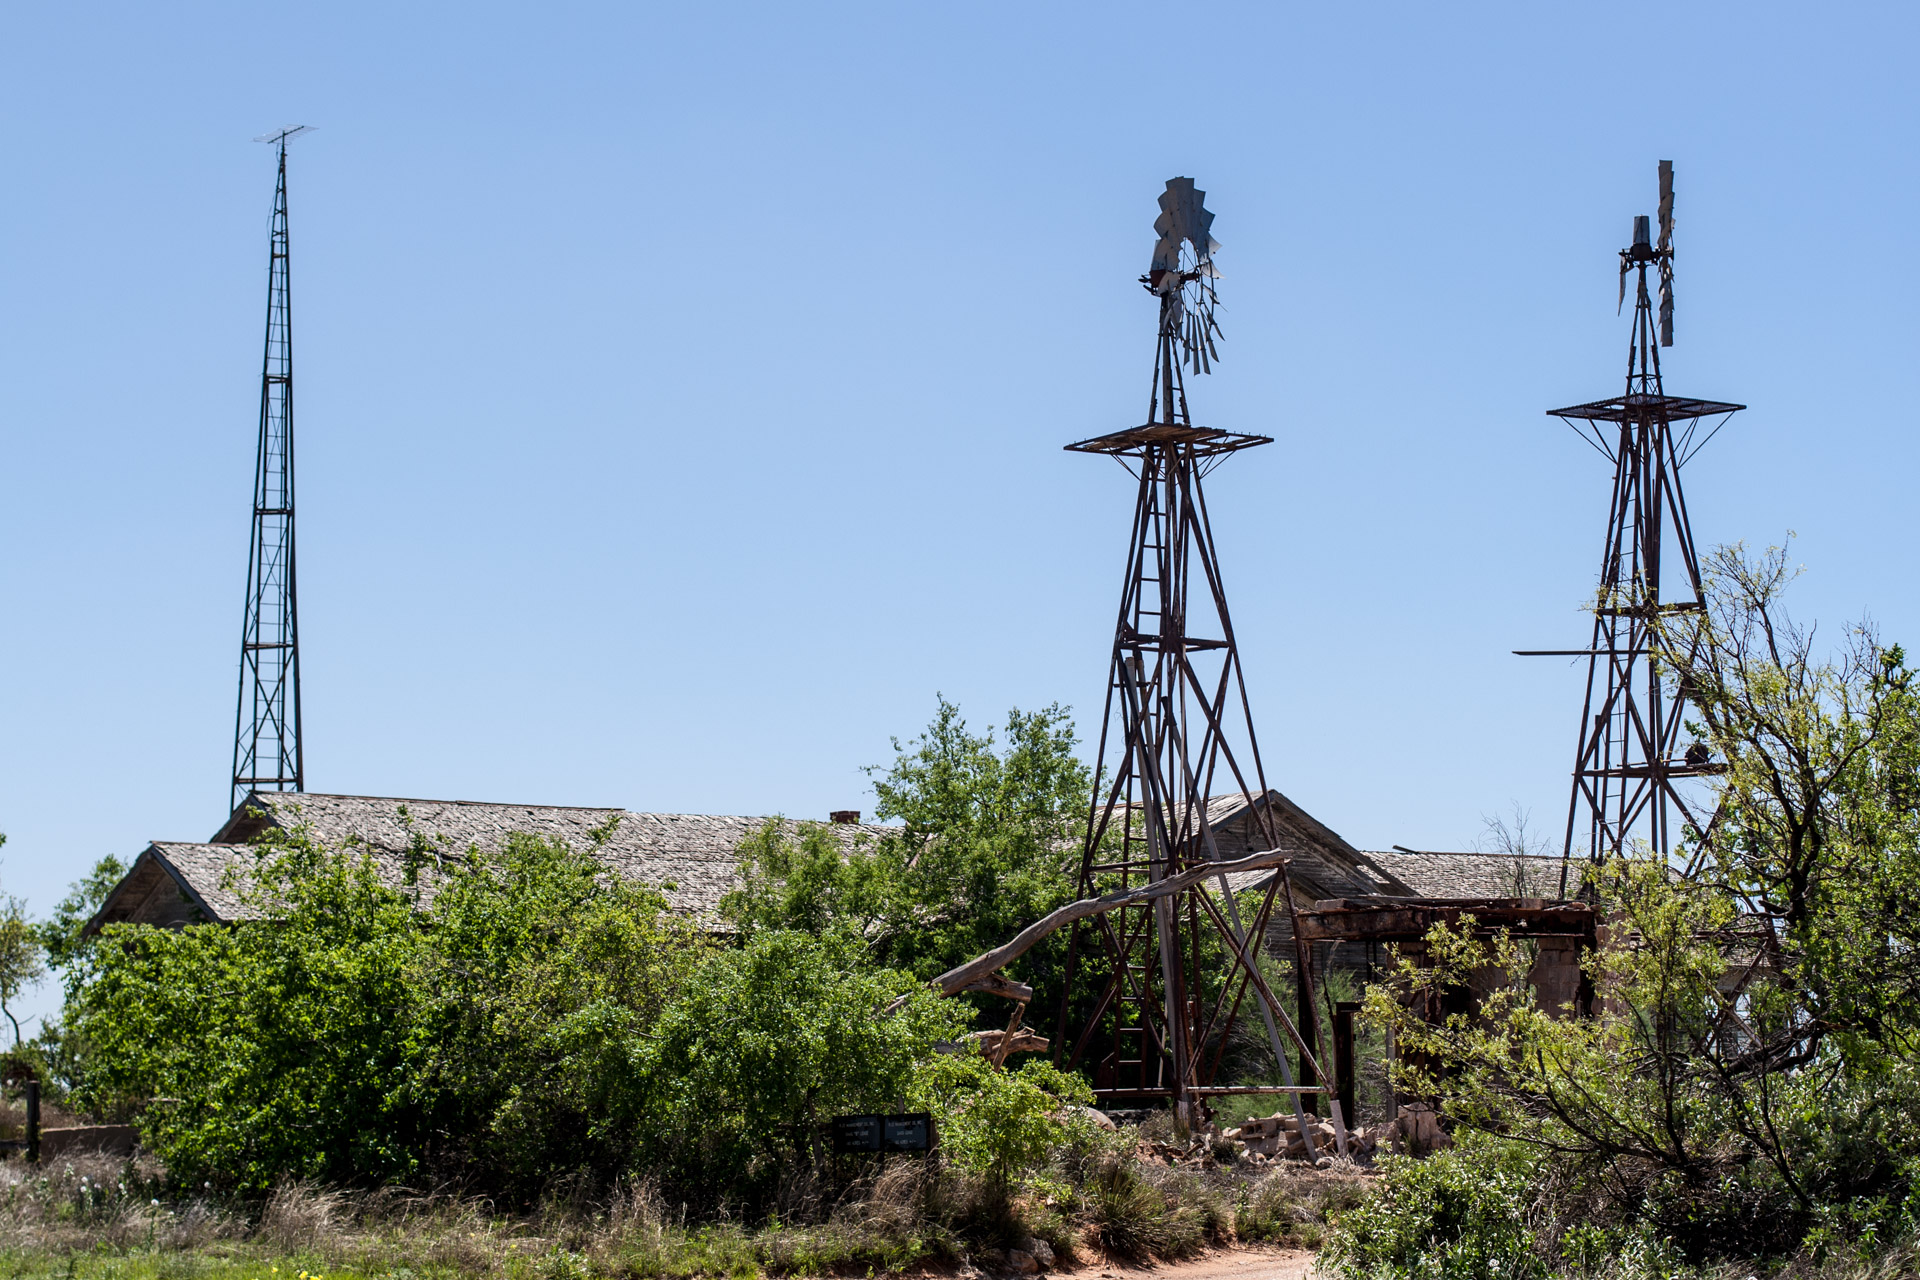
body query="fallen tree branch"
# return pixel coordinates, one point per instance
(955, 980)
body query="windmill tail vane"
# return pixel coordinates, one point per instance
(1647, 251)
(1666, 252)
(1183, 273)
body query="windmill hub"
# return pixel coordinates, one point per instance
(1644, 254)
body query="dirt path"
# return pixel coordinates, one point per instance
(1228, 1264)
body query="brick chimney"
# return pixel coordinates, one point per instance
(848, 816)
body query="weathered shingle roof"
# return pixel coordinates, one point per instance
(1474, 875)
(692, 857)
(201, 869)
(1321, 864)
(172, 883)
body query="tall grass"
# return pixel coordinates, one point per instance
(92, 1216)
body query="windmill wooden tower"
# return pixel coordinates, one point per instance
(1167, 979)
(1630, 760)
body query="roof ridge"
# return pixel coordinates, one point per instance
(295, 796)
(1460, 853)
(485, 804)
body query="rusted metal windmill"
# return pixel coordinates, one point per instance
(1630, 757)
(1173, 970)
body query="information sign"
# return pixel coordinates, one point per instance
(912, 1131)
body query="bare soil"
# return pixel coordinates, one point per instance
(1223, 1264)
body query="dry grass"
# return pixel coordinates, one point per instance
(1293, 1206)
(99, 1216)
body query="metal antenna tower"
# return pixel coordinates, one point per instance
(266, 743)
(1629, 756)
(1172, 974)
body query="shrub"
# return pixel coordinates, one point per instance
(536, 984)
(1462, 1214)
(347, 1035)
(1292, 1208)
(1004, 1124)
(765, 1045)
(282, 1047)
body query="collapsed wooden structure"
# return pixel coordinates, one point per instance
(1561, 931)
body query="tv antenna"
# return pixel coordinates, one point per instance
(1152, 991)
(266, 743)
(280, 137)
(1629, 756)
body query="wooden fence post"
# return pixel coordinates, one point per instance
(1344, 1067)
(33, 1121)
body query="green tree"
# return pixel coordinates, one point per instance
(770, 1041)
(60, 1053)
(21, 958)
(988, 840)
(536, 999)
(1749, 1086)
(1817, 838)
(62, 936)
(282, 1046)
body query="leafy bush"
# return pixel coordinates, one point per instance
(535, 1020)
(347, 1036)
(535, 986)
(767, 1043)
(1462, 1214)
(987, 842)
(1748, 1088)
(1004, 1124)
(271, 1050)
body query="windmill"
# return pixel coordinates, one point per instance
(1630, 759)
(266, 738)
(1168, 977)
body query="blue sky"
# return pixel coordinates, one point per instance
(680, 388)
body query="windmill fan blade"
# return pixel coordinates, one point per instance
(1621, 301)
(1666, 204)
(1185, 220)
(1166, 253)
(1184, 216)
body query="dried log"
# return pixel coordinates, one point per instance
(998, 1054)
(956, 980)
(998, 1044)
(995, 984)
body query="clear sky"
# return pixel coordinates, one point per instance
(680, 388)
